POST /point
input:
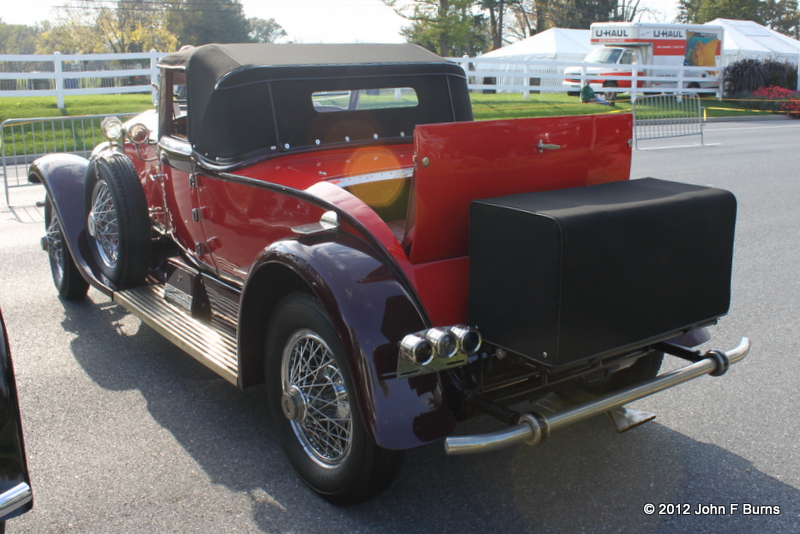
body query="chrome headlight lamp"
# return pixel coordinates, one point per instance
(111, 128)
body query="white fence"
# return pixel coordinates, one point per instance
(546, 76)
(62, 75)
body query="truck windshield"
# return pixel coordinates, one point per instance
(603, 55)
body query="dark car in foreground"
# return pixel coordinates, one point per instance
(328, 220)
(15, 485)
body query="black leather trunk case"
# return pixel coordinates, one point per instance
(564, 276)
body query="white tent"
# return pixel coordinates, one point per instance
(553, 45)
(748, 39)
(556, 43)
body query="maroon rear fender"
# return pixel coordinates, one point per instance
(372, 310)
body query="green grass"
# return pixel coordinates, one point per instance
(515, 106)
(45, 106)
(485, 107)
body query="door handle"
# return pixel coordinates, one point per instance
(542, 146)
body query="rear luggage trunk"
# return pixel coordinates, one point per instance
(591, 272)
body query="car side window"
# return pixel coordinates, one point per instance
(174, 109)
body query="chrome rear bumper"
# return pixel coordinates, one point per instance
(532, 428)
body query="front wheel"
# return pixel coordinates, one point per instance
(117, 220)
(314, 407)
(610, 95)
(66, 277)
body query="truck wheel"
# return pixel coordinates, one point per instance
(66, 277)
(644, 368)
(117, 220)
(314, 407)
(610, 95)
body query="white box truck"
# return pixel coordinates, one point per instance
(624, 44)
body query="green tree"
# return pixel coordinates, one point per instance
(17, 38)
(780, 15)
(96, 27)
(265, 30)
(198, 22)
(447, 27)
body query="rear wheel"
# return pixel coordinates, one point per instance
(314, 407)
(66, 277)
(610, 95)
(117, 220)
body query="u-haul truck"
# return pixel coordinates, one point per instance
(623, 44)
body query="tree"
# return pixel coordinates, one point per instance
(17, 38)
(95, 27)
(265, 30)
(447, 27)
(198, 22)
(780, 15)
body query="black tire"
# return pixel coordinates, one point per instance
(610, 95)
(117, 220)
(643, 369)
(66, 276)
(346, 466)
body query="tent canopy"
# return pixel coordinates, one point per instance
(748, 39)
(555, 43)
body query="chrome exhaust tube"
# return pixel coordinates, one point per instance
(532, 428)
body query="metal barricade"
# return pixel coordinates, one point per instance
(661, 116)
(24, 140)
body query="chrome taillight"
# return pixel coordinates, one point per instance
(417, 349)
(444, 342)
(469, 339)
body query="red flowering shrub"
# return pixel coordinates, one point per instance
(779, 99)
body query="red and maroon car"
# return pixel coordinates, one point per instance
(328, 220)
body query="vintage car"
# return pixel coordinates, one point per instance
(15, 484)
(328, 220)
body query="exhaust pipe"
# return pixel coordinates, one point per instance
(533, 428)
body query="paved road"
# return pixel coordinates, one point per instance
(125, 434)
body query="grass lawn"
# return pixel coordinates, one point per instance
(485, 107)
(45, 106)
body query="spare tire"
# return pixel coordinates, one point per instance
(117, 219)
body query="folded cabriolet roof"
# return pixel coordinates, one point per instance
(219, 60)
(245, 98)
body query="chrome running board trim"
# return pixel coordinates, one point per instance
(533, 428)
(212, 346)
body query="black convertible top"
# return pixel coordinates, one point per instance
(246, 98)
(219, 60)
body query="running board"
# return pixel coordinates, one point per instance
(212, 346)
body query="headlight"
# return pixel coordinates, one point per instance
(111, 128)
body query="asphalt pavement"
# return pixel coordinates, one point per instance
(126, 434)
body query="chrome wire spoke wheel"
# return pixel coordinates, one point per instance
(315, 399)
(103, 225)
(55, 249)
